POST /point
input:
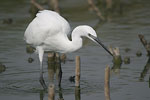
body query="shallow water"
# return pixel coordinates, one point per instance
(20, 80)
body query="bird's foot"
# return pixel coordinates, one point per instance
(43, 83)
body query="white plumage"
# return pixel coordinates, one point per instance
(46, 25)
(48, 32)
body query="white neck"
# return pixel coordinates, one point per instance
(77, 33)
(76, 42)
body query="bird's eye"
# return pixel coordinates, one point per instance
(89, 34)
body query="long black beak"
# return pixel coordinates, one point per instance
(99, 42)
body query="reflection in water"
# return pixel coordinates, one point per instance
(116, 68)
(149, 81)
(51, 93)
(60, 94)
(2, 67)
(117, 62)
(145, 70)
(54, 67)
(77, 93)
(41, 95)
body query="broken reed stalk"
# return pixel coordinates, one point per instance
(108, 4)
(54, 5)
(145, 43)
(51, 66)
(63, 58)
(51, 57)
(99, 14)
(51, 92)
(107, 79)
(37, 5)
(116, 55)
(77, 72)
(145, 70)
(58, 68)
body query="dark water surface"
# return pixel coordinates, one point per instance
(20, 80)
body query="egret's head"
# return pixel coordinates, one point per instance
(91, 34)
(90, 31)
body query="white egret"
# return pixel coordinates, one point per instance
(48, 32)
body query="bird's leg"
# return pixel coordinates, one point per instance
(59, 70)
(41, 78)
(60, 76)
(51, 66)
(60, 93)
(41, 53)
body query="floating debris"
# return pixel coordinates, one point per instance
(138, 53)
(30, 49)
(2, 68)
(8, 21)
(127, 60)
(127, 49)
(30, 60)
(72, 78)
